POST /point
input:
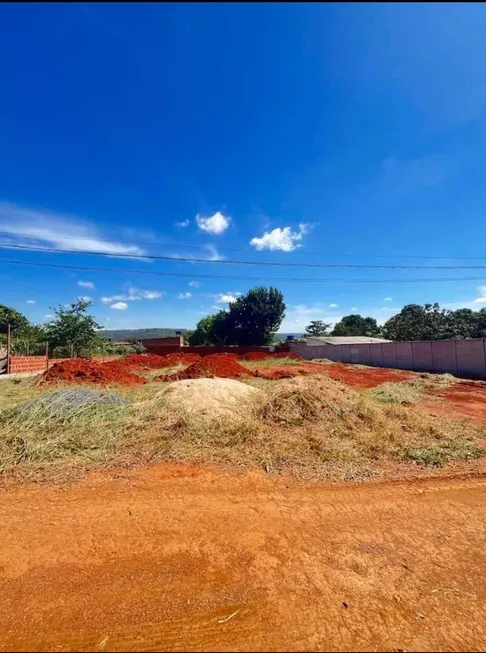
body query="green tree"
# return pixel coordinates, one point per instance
(317, 328)
(416, 322)
(10, 316)
(210, 330)
(254, 318)
(357, 325)
(74, 327)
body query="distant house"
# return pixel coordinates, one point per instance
(343, 340)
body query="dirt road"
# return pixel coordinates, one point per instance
(173, 558)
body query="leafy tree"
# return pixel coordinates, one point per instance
(10, 316)
(254, 318)
(416, 322)
(75, 327)
(357, 325)
(317, 328)
(210, 330)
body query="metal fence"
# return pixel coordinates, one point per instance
(462, 358)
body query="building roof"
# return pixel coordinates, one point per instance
(343, 340)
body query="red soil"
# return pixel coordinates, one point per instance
(224, 366)
(275, 373)
(82, 370)
(464, 399)
(368, 377)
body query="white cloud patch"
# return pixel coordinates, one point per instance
(86, 284)
(387, 299)
(30, 301)
(333, 306)
(213, 253)
(48, 316)
(194, 284)
(481, 299)
(85, 298)
(227, 298)
(214, 224)
(353, 309)
(43, 228)
(184, 295)
(183, 223)
(284, 240)
(119, 306)
(133, 294)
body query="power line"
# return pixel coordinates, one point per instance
(241, 249)
(182, 259)
(258, 279)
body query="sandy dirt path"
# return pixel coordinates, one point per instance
(174, 558)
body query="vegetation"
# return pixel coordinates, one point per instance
(431, 322)
(10, 316)
(325, 430)
(73, 326)
(356, 325)
(253, 319)
(317, 328)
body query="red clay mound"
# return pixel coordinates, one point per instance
(276, 373)
(221, 365)
(179, 358)
(263, 355)
(82, 370)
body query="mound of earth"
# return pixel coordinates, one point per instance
(155, 362)
(224, 366)
(67, 403)
(208, 398)
(83, 370)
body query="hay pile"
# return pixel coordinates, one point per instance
(69, 404)
(206, 398)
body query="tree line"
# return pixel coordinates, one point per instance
(71, 331)
(413, 322)
(252, 320)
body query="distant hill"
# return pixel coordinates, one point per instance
(141, 334)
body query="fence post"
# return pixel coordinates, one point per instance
(72, 351)
(47, 354)
(9, 343)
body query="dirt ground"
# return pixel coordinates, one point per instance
(179, 558)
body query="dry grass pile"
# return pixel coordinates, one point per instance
(313, 427)
(207, 398)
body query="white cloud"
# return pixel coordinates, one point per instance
(482, 295)
(85, 298)
(387, 299)
(48, 316)
(215, 224)
(353, 309)
(43, 228)
(86, 284)
(149, 294)
(227, 298)
(213, 253)
(284, 240)
(119, 306)
(133, 294)
(184, 295)
(194, 284)
(183, 223)
(333, 305)
(30, 301)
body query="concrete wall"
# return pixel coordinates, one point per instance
(463, 358)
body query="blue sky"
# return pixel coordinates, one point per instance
(283, 133)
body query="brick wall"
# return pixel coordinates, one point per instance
(20, 364)
(172, 341)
